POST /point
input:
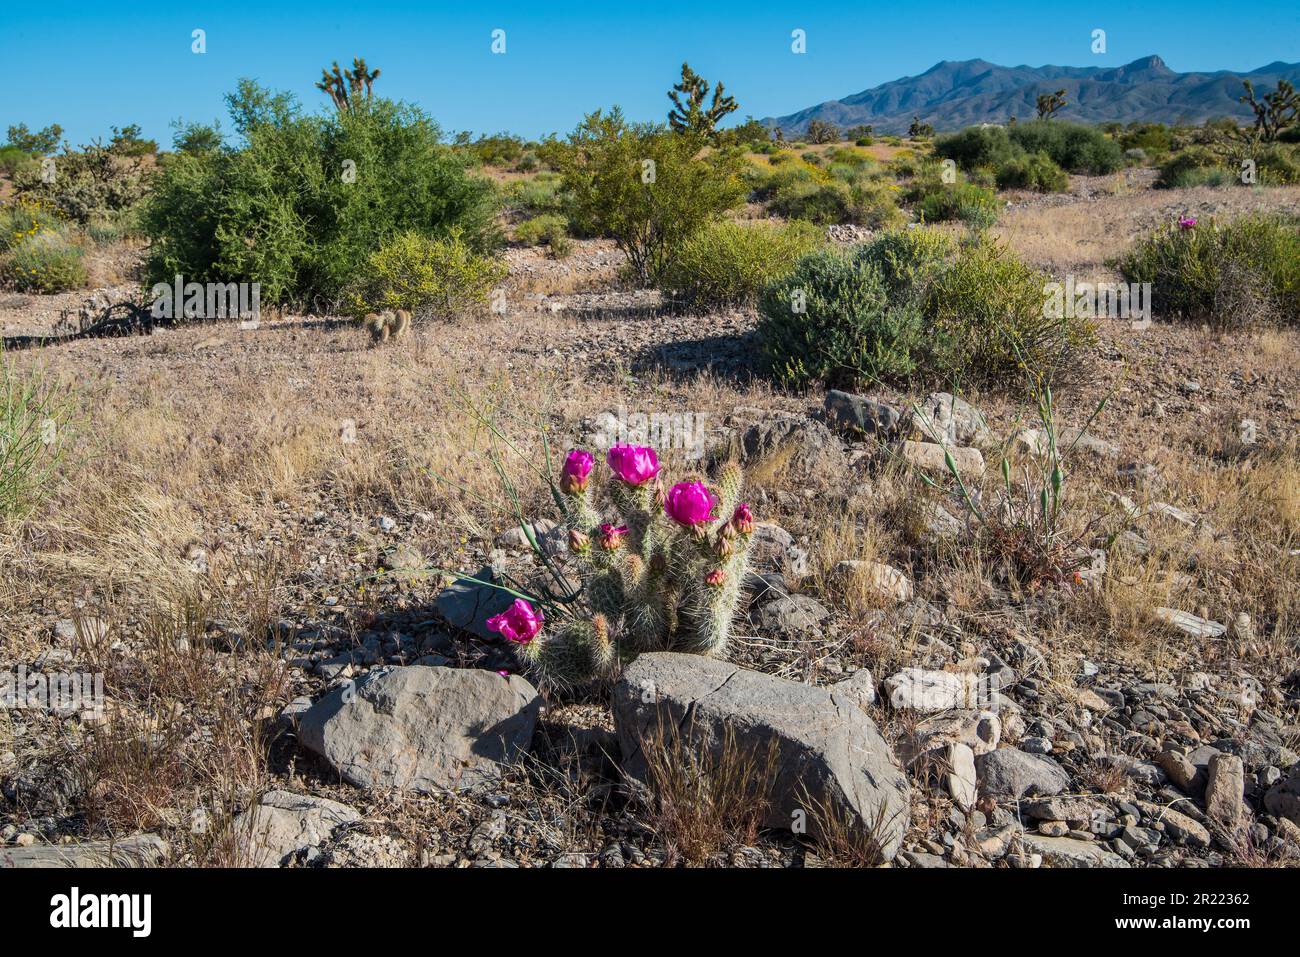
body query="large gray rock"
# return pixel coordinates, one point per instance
(807, 445)
(1283, 799)
(469, 604)
(859, 415)
(138, 850)
(1010, 774)
(829, 754)
(283, 824)
(422, 729)
(793, 617)
(943, 418)
(1068, 852)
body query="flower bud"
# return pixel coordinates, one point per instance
(715, 578)
(579, 542)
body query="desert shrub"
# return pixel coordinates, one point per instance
(93, 183)
(46, 262)
(1195, 166)
(1233, 275)
(24, 219)
(820, 131)
(1073, 147)
(1148, 137)
(499, 149)
(962, 201)
(728, 262)
(550, 230)
(914, 305)
(12, 160)
(35, 413)
(987, 322)
(645, 187)
(1277, 164)
(302, 206)
(783, 173)
(1032, 171)
(536, 196)
(977, 146)
(831, 320)
(433, 278)
(822, 203)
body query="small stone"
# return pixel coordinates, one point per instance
(860, 415)
(1036, 745)
(1053, 828)
(1190, 624)
(933, 458)
(880, 579)
(921, 690)
(962, 779)
(1180, 770)
(859, 686)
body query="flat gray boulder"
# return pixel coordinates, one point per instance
(283, 823)
(468, 604)
(857, 414)
(422, 728)
(138, 850)
(829, 755)
(1011, 774)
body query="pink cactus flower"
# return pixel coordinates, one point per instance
(742, 519)
(519, 623)
(503, 673)
(577, 469)
(715, 578)
(611, 536)
(633, 464)
(1186, 222)
(690, 504)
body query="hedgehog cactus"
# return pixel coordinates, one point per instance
(665, 575)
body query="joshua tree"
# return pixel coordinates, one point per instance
(919, 129)
(692, 116)
(1049, 103)
(346, 87)
(819, 131)
(1278, 110)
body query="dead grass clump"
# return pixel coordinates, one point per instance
(705, 800)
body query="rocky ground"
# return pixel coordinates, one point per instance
(257, 535)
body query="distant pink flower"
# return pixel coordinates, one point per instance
(519, 623)
(611, 536)
(503, 673)
(634, 464)
(742, 519)
(1186, 222)
(577, 468)
(690, 503)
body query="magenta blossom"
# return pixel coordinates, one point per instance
(1186, 222)
(716, 578)
(611, 536)
(520, 622)
(742, 519)
(690, 503)
(577, 467)
(634, 464)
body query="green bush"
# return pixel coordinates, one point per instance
(1239, 274)
(302, 206)
(987, 320)
(1073, 147)
(912, 305)
(93, 183)
(550, 230)
(433, 278)
(1277, 164)
(964, 202)
(727, 263)
(977, 146)
(25, 219)
(35, 416)
(13, 160)
(1032, 171)
(1195, 166)
(45, 262)
(645, 187)
(831, 321)
(856, 197)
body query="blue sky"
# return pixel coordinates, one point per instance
(92, 66)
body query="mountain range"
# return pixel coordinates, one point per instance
(956, 93)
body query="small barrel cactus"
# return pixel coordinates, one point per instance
(666, 575)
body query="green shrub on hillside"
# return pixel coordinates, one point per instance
(93, 183)
(433, 278)
(645, 187)
(550, 230)
(912, 305)
(1073, 147)
(728, 263)
(1235, 275)
(963, 202)
(46, 262)
(303, 205)
(1032, 171)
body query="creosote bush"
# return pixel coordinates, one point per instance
(1231, 275)
(432, 278)
(728, 262)
(912, 305)
(47, 262)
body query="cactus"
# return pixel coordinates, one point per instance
(666, 576)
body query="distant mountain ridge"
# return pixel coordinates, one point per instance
(956, 93)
